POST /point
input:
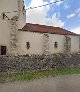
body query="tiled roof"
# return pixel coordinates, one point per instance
(46, 29)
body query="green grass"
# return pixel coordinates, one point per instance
(9, 77)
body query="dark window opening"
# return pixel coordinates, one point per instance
(23, 7)
(28, 45)
(56, 44)
(3, 50)
(3, 15)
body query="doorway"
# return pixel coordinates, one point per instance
(3, 50)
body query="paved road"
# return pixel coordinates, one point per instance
(69, 83)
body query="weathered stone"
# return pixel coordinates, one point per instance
(38, 62)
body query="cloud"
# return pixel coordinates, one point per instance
(76, 30)
(55, 21)
(66, 6)
(71, 15)
(39, 15)
(58, 3)
(76, 12)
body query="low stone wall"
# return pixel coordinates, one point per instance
(38, 62)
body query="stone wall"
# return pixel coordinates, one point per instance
(13, 35)
(38, 62)
(67, 44)
(46, 44)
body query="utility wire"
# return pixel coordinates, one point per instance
(43, 5)
(37, 6)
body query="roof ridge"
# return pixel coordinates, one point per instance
(50, 26)
(46, 28)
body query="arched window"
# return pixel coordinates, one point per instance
(56, 44)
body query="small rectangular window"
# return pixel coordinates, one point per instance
(56, 44)
(3, 15)
(28, 45)
(23, 7)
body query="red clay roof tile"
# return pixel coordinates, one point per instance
(46, 29)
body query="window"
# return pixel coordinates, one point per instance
(23, 7)
(56, 44)
(27, 45)
(46, 35)
(3, 50)
(3, 15)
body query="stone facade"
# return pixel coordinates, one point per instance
(38, 62)
(46, 44)
(14, 35)
(12, 18)
(67, 44)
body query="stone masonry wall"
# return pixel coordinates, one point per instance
(38, 62)
(46, 44)
(13, 35)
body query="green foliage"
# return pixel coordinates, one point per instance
(9, 77)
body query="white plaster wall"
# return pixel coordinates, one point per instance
(36, 43)
(5, 33)
(22, 21)
(60, 39)
(56, 38)
(22, 15)
(14, 5)
(9, 6)
(74, 43)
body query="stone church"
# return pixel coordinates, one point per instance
(20, 38)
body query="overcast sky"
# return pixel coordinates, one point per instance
(64, 14)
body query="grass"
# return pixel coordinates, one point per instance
(9, 77)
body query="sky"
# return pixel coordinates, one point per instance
(64, 14)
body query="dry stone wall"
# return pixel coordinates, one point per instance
(38, 62)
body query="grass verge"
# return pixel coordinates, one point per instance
(9, 77)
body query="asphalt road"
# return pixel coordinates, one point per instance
(69, 83)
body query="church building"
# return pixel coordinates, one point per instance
(20, 38)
